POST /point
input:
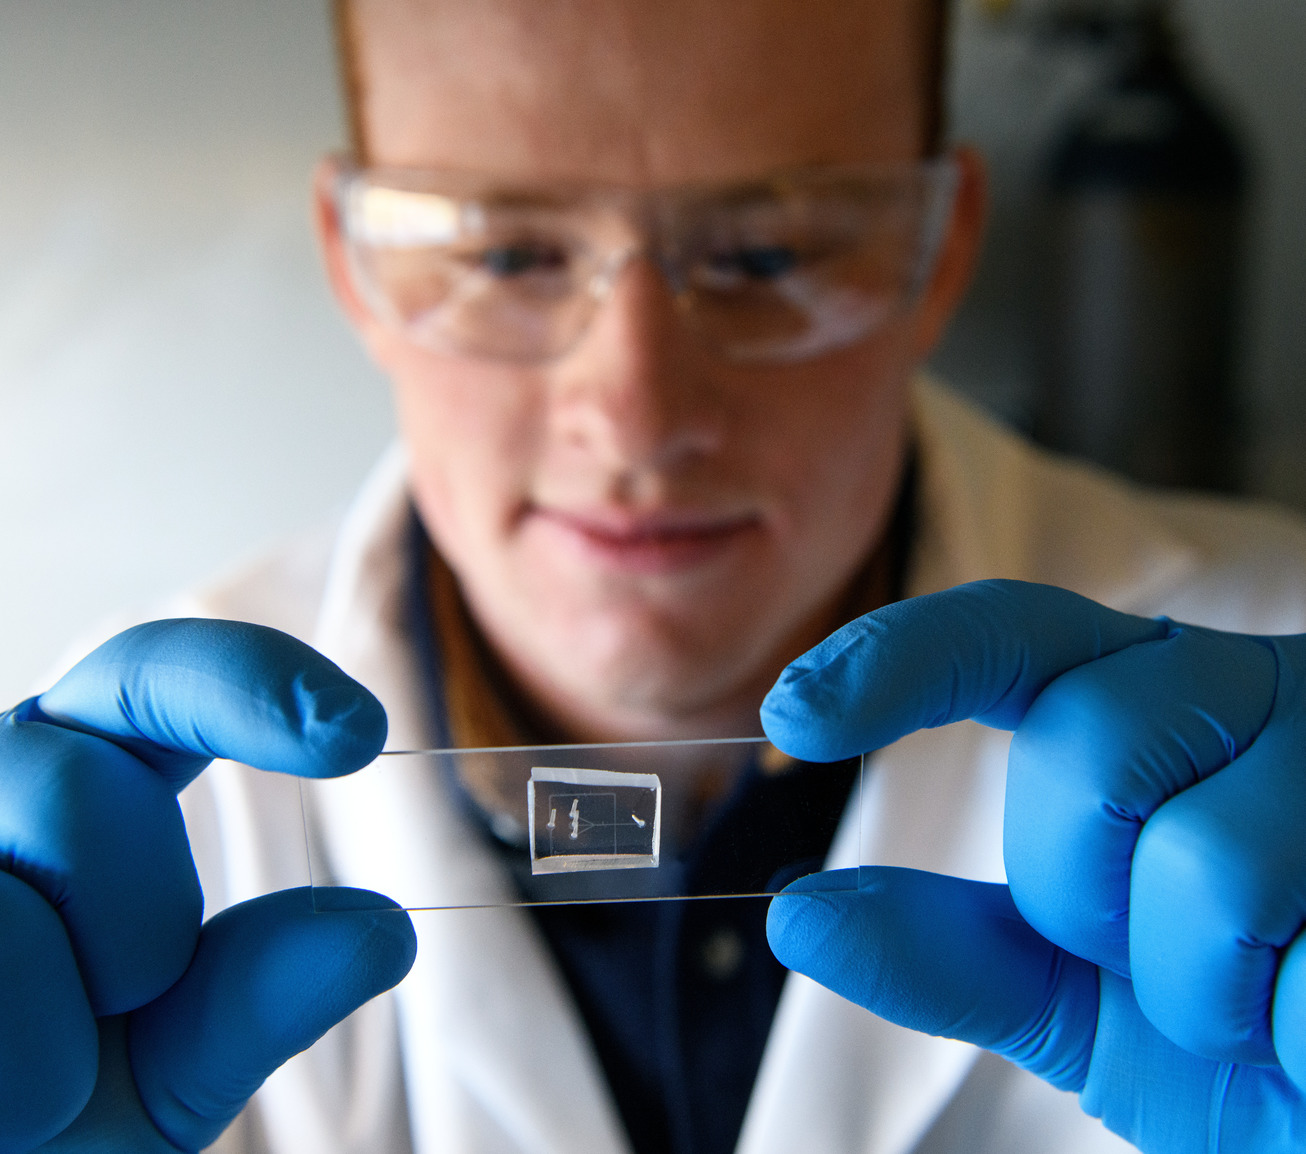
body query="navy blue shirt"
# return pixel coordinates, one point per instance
(679, 996)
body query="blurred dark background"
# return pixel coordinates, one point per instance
(1143, 289)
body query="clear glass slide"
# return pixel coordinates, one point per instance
(648, 821)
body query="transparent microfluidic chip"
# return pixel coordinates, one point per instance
(593, 819)
(447, 829)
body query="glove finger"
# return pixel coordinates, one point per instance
(270, 976)
(93, 824)
(1162, 1098)
(982, 651)
(179, 693)
(944, 956)
(113, 1122)
(48, 1041)
(1289, 1014)
(100, 836)
(1099, 751)
(1218, 892)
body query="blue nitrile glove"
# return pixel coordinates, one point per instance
(124, 1024)
(1149, 952)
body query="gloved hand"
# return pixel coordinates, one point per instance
(1149, 951)
(124, 1024)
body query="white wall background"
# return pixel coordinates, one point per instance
(176, 389)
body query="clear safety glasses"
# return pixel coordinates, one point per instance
(780, 269)
(651, 821)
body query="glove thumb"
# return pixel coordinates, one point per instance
(269, 977)
(945, 956)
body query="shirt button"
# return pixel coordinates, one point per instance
(722, 953)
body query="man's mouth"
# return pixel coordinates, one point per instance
(657, 542)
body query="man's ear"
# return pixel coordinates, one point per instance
(330, 236)
(958, 254)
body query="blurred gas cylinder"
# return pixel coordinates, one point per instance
(1143, 219)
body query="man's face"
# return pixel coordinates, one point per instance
(645, 531)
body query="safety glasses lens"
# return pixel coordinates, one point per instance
(772, 274)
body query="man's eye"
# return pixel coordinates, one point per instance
(513, 260)
(765, 262)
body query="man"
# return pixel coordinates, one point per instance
(652, 283)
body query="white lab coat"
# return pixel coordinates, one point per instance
(479, 1050)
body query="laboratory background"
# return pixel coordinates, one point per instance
(178, 392)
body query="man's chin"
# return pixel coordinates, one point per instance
(656, 688)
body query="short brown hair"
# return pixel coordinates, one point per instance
(935, 41)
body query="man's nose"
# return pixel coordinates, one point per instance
(637, 391)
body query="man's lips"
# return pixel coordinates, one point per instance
(655, 542)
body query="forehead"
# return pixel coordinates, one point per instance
(637, 92)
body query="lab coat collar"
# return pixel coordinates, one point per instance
(990, 506)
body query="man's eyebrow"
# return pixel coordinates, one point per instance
(515, 197)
